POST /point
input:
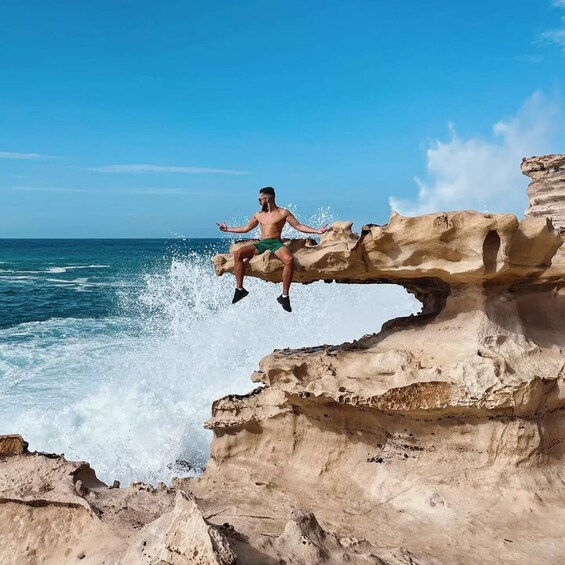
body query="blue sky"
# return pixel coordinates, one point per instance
(154, 119)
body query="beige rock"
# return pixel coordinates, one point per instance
(53, 510)
(446, 425)
(454, 247)
(12, 445)
(180, 537)
(546, 192)
(546, 195)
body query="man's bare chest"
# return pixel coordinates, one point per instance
(267, 220)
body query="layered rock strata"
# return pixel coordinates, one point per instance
(439, 439)
(546, 192)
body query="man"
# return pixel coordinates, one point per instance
(272, 220)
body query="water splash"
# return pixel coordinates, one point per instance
(130, 393)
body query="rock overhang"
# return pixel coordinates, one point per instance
(463, 247)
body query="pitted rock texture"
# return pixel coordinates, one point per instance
(451, 430)
(56, 511)
(455, 247)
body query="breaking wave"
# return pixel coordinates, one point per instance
(130, 393)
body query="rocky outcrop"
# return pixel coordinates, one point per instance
(546, 192)
(439, 439)
(12, 445)
(447, 425)
(455, 247)
(425, 254)
(57, 511)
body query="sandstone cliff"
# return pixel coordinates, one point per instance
(439, 439)
(546, 192)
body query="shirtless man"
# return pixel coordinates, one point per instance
(272, 220)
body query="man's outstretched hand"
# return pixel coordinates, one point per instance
(324, 229)
(223, 227)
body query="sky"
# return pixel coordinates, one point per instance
(158, 119)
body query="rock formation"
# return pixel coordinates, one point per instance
(439, 439)
(546, 195)
(546, 192)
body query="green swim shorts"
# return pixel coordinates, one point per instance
(271, 244)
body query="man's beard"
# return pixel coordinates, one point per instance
(265, 207)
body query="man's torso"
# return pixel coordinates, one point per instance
(271, 223)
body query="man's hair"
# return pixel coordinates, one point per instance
(268, 191)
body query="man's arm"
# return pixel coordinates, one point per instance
(302, 228)
(253, 223)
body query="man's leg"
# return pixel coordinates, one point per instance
(239, 269)
(286, 257)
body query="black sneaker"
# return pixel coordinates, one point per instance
(239, 294)
(284, 301)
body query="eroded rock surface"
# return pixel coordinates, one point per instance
(439, 439)
(455, 247)
(546, 192)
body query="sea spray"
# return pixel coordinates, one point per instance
(130, 393)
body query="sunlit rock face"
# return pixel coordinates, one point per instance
(546, 192)
(411, 433)
(439, 439)
(456, 247)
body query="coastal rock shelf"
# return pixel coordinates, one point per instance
(456, 247)
(440, 439)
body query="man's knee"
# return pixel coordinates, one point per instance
(238, 255)
(244, 253)
(288, 260)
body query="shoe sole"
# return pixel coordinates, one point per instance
(240, 298)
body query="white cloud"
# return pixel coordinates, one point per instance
(24, 156)
(143, 168)
(554, 36)
(485, 175)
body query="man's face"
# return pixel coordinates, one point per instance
(264, 202)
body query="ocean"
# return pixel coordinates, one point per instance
(112, 351)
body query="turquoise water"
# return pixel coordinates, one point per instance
(42, 278)
(112, 351)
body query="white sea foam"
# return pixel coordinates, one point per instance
(130, 394)
(57, 269)
(68, 281)
(15, 277)
(87, 267)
